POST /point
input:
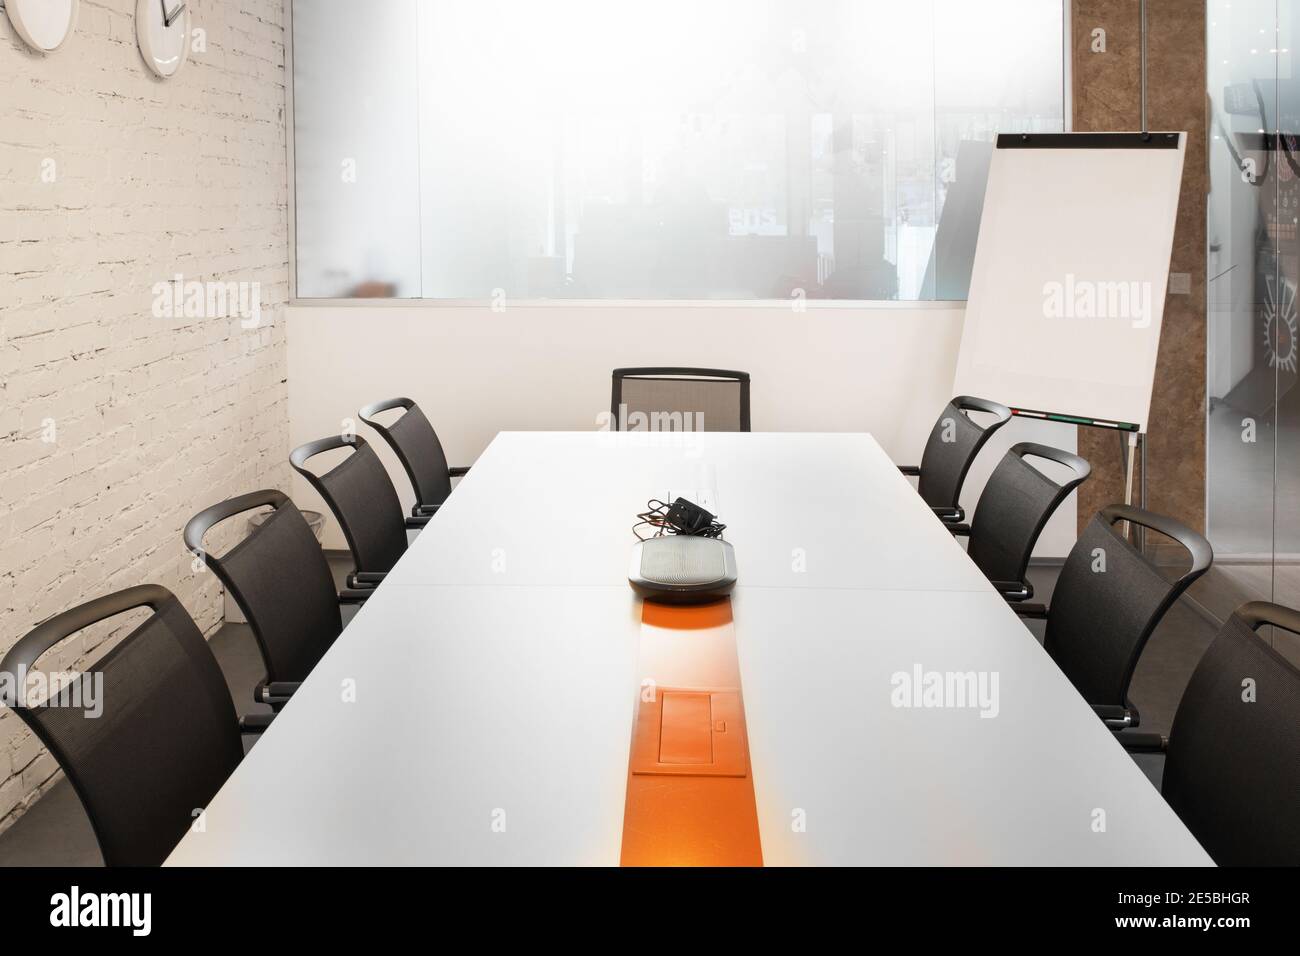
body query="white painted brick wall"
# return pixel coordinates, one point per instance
(155, 418)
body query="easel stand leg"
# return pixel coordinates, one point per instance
(1129, 451)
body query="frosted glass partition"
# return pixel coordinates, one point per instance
(356, 148)
(988, 78)
(603, 149)
(1253, 264)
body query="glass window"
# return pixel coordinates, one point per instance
(600, 149)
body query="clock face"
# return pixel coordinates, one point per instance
(162, 28)
(43, 24)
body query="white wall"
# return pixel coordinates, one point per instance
(116, 426)
(886, 370)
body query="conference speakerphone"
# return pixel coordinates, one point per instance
(682, 569)
(685, 561)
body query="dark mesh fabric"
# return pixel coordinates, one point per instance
(1100, 621)
(1012, 509)
(418, 446)
(282, 582)
(666, 402)
(944, 463)
(366, 505)
(166, 741)
(1232, 773)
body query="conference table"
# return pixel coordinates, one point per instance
(478, 708)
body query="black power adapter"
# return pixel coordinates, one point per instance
(681, 517)
(689, 518)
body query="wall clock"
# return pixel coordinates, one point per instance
(162, 28)
(43, 24)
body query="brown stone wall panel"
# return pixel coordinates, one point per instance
(1107, 96)
(1101, 448)
(1106, 84)
(1176, 100)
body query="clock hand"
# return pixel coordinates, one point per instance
(169, 19)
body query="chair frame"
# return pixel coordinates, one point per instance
(679, 374)
(1022, 590)
(367, 415)
(270, 692)
(1118, 717)
(42, 638)
(29, 648)
(966, 403)
(1258, 613)
(298, 458)
(1255, 614)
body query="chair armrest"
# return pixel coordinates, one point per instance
(949, 515)
(1116, 717)
(1036, 611)
(275, 692)
(419, 522)
(355, 595)
(1143, 743)
(255, 723)
(959, 528)
(364, 579)
(913, 471)
(419, 511)
(1014, 590)
(458, 471)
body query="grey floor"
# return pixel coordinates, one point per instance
(55, 831)
(1253, 487)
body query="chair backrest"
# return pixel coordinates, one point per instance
(1232, 771)
(953, 444)
(1109, 598)
(362, 497)
(680, 399)
(1014, 507)
(416, 444)
(166, 738)
(280, 579)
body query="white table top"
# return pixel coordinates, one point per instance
(486, 696)
(558, 508)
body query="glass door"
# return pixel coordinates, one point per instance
(1253, 270)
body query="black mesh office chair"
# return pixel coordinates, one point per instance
(953, 444)
(1232, 757)
(365, 503)
(661, 399)
(1011, 513)
(1107, 601)
(167, 737)
(280, 579)
(416, 443)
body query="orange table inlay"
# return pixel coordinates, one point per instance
(690, 792)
